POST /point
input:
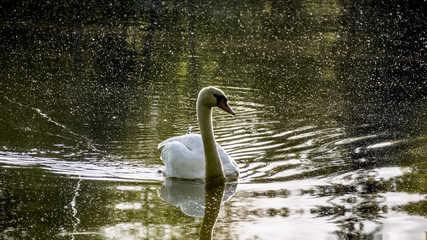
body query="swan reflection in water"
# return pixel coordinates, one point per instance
(199, 199)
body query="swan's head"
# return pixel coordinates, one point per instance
(214, 97)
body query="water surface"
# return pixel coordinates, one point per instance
(329, 133)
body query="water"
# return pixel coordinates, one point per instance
(329, 133)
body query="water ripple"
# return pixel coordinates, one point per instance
(94, 170)
(265, 148)
(267, 152)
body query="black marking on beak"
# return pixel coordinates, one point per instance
(222, 103)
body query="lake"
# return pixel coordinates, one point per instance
(330, 131)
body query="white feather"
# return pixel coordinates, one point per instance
(184, 157)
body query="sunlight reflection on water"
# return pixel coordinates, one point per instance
(98, 170)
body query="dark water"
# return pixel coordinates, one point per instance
(330, 131)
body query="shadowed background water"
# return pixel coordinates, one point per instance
(330, 129)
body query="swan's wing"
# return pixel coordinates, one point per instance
(228, 164)
(184, 156)
(194, 143)
(191, 141)
(189, 130)
(186, 152)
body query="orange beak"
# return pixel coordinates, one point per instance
(224, 105)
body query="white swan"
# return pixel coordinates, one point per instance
(195, 156)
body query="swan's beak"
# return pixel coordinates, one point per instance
(224, 105)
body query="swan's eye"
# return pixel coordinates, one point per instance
(220, 98)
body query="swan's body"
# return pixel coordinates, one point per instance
(198, 156)
(184, 157)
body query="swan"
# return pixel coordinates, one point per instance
(198, 156)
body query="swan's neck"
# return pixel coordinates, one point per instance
(214, 171)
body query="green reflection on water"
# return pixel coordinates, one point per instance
(42, 205)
